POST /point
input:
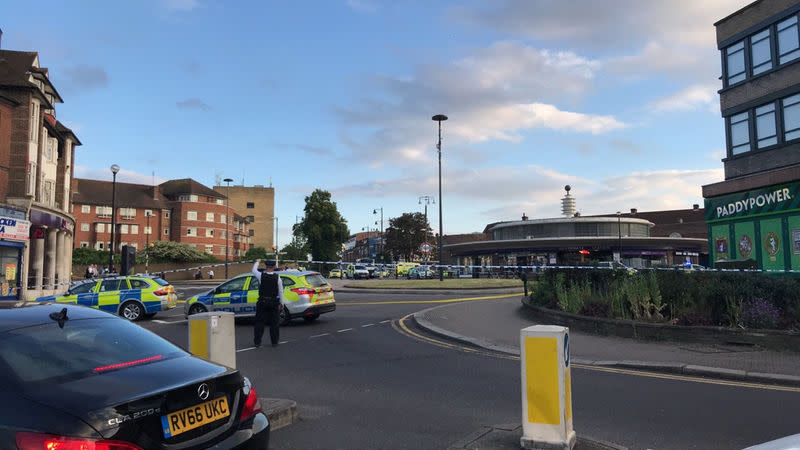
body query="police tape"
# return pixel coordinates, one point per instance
(467, 269)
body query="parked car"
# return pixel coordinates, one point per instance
(75, 377)
(335, 273)
(132, 297)
(357, 271)
(307, 294)
(420, 272)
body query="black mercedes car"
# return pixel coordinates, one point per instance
(73, 377)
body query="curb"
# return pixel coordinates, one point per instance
(280, 412)
(660, 367)
(509, 436)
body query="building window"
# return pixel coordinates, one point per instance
(148, 213)
(791, 117)
(209, 249)
(735, 59)
(31, 179)
(166, 214)
(209, 217)
(223, 218)
(191, 215)
(251, 232)
(100, 228)
(86, 209)
(187, 198)
(740, 133)
(760, 52)
(251, 205)
(48, 149)
(98, 246)
(34, 122)
(788, 43)
(123, 229)
(134, 229)
(103, 211)
(209, 232)
(166, 231)
(128, 213)
(84, 227)
(191, 231)
(251, 219)
(220, 202)
(47, 193)
(134, 245)
(84, 244)
(148, 230)
(766, 131)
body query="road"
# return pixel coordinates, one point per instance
(361, 380)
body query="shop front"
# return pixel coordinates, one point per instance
(14, 234)
(762, 225)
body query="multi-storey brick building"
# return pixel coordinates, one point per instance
(177, 210)
(36, 166)
(755, 212)
(257, 204)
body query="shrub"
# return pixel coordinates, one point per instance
(759, 313)
(595, 309)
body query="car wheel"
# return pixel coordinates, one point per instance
(197, 308)
(285, 316)
(132, 310)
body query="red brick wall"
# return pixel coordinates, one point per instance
(157, 223)
(204, 205)
(5, 148)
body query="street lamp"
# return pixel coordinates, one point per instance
(440, 118)
(619, 231)
(428, 199)
(275, 244)
(147, 215)
(114, 170)
(380, 247)
(227, 221)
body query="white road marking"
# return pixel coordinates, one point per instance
(245, 349)
(385, 321)
(319, 335)
(168, 321)
(367, 325)
(346, 329)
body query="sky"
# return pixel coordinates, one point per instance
(617, 99)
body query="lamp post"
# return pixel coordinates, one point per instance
(380, 245)
(275, 244)
(114, 170)
(227, 221)
(440, 118)
(619, 231)
(147, 215)
(428, 199)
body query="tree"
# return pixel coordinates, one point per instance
(406, 233)
(323, 228)
(168, 251)
(297, 250)
(256, 253)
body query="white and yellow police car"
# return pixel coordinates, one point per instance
(306, 294)
(132, 297)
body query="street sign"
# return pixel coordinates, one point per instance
(425, 247)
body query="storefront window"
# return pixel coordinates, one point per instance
(9, 272)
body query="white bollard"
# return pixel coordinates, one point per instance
(546, 392)
(212, 336)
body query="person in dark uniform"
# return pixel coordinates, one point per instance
(268, 308)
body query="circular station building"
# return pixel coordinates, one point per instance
(659, 238)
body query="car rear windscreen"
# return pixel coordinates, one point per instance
(316, 280)
(160, 281)
(82, 348)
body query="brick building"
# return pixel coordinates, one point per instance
(257, 204)
(754, 214)
(36, 166)
(177, 210)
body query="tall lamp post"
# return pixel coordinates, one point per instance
(227, 221)
(114, 170)
(380, 247)
(147, 215)
(428, 199)
(275, 244)
(440, 118)
(619, 230)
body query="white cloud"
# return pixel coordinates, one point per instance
(123, 176)
(691, 98)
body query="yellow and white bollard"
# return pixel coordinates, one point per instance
(546, 391)
(211, 336)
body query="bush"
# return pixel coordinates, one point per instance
(759, 313)
(595, 309)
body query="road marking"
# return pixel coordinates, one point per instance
(413, 302)
(319, 335)
(168, 321)
(346, 329)
(367, 325)
(384, 321)
(402, 328)
(245, 349)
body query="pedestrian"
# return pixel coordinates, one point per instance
(523, 275)
(268, 308)
(198, 275)
(88, 272)
(210, 273)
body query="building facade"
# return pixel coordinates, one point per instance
(37, 154)
(754, 214)
(177, 210)
(257, 205)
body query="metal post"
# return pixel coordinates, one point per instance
(276, 243)
(619, 231)
(114, 170)
(439, 118)
(227, 221)
(147, 245)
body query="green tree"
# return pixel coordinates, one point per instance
(84, 256)
(406, 233)
(168, 251)
(257, 253)
(297, 250)
(323, 227)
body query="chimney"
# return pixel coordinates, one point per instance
(634, 211)
(155, 192)
(524, 217)
(696, 207)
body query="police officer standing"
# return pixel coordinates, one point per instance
(268, 308)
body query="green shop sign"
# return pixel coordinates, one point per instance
(772, 199)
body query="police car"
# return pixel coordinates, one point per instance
(132, 297)
(306, 294)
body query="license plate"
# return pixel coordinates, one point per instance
(324, 296)
(195, 416)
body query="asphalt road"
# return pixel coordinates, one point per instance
(360, 381)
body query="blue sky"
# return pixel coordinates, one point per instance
(617, 99)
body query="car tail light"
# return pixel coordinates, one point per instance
(161, 292)
(40, 441)
(303, 291)
(252, 405)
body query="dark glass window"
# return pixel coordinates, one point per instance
(791, 117)
(740, 133)
(251, 205)
(788, 43)
(112, 285)
(766, 131)
(735, 57)
(760, 52)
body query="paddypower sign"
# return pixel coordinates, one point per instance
(772, 199)
(14, 228)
